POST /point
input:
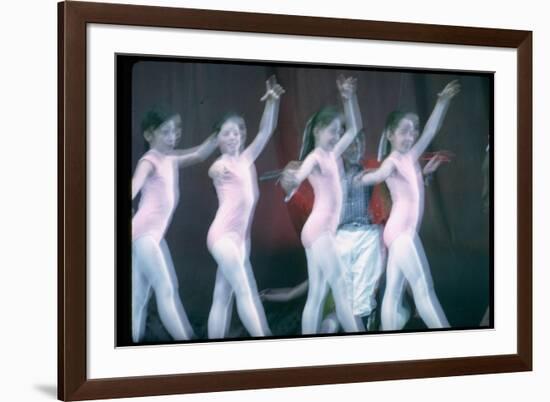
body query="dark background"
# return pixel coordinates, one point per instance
(455, 231)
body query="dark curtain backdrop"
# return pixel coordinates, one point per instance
(455, 231)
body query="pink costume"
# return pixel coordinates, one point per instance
(327, 188)
(407, 193)
(407, 261)
(237, 196)
(159, 197)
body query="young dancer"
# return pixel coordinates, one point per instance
(322, 147)
(156, 177)
(228, 240)
(358, 238)
(407, 261)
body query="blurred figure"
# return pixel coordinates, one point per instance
(407, 261)
(234, 178)
(156, 177)
(322, 146)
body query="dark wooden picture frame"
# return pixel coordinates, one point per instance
(73, 17)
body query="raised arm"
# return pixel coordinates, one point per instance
(376, 176)
(143, 170)
(190, 156)
(269, 119)
(354, 124)
(436, 118)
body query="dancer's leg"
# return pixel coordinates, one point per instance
(250, 272)
(156, 270)
(231, 261)
(141, 291)
(174, 280)
(169, 262)
(393, 295)
(414, 265)
(330, 324)
(316, 294)
(222, 307)
(328, 259)
(256, 294)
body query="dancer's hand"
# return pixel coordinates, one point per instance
(273, 90)
(226, 173)
(289, 181)
(220, 172)
(347, 86)
(450, 91)
(432, 165)
(288, 178)
(357, 180)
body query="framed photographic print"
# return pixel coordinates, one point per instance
(252, 200)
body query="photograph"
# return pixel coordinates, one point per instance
(277, 200)
(250, 200)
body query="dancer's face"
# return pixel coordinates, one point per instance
(327, 137)
(403, 137)
(165, 137)
(231, 136)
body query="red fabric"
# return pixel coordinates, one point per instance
(300, 206)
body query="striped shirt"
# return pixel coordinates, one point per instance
(355, 206)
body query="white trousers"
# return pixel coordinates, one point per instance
(363, 256)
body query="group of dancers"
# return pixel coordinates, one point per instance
(344, 251)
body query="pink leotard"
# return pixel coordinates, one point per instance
(407, 194)
(237, 192)
(327, 190)
(159, 197)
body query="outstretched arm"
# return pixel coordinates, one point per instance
(284, 294)
(295, 173)
(269, 119)
(354, 124)
(436, 118)
(190, 156)
(143, 170)
(433, 164)
(376, 176)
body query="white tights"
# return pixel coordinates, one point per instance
(324, 270)
(235, 278)
(153, 269)
(407, 263)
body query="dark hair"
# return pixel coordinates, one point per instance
(393, 120)
(395, 117)
(153, 119)
(321, 119)
(227, 116)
